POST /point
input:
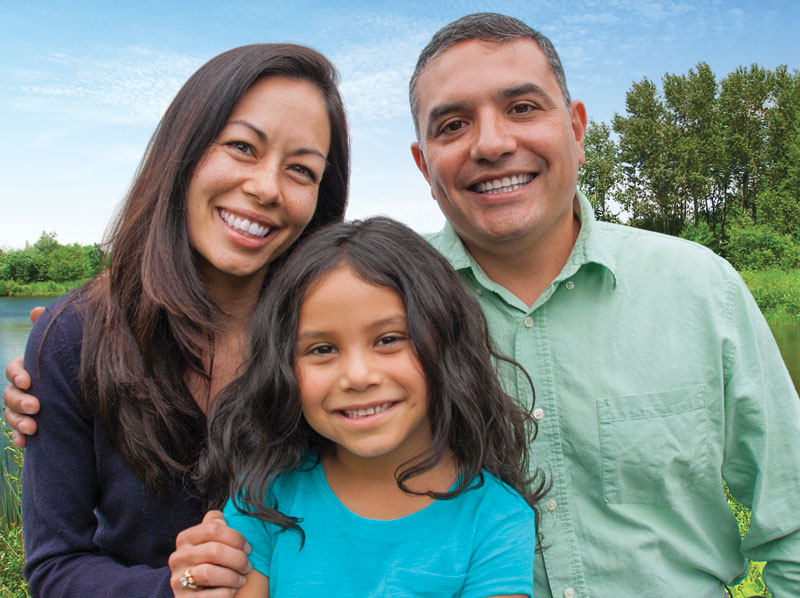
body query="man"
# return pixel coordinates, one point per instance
(656, 375)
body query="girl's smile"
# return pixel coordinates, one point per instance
(361, 384)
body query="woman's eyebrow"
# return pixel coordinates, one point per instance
(262, 136)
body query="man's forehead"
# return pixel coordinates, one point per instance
(475, 67)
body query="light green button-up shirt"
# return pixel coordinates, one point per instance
(656, 378)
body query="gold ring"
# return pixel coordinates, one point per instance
(187, 579)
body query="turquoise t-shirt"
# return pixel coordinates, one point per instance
(478, 544)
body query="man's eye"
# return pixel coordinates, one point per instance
(522, 108)
(452, 126)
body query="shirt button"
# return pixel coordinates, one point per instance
(551, 505)
(479, 291)
(569, 593)
(570, 285)
(538, 413)
(528, 322)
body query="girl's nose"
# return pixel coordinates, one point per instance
(358, 373)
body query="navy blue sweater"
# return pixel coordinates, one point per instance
(90, 526)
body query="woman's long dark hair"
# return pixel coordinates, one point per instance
(149, 319)
(257, 430)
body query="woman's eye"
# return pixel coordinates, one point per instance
(241, 146)
(305, 171)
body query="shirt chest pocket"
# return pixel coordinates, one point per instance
(406, 583)
(654, 448)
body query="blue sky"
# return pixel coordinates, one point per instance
(83, 84)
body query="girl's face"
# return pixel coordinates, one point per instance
(255, 188)
(361, 384)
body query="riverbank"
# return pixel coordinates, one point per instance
(48, 288)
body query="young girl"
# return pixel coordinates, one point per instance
(370, 431)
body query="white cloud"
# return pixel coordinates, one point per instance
(131, 86)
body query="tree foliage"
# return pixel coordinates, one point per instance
(48, 260)
(714, 161)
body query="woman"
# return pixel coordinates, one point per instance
(251, 154)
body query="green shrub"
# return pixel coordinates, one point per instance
(758, 247)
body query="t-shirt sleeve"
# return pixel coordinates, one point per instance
(502, 560)
(258, 533)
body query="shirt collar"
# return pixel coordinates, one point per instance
(591, 246)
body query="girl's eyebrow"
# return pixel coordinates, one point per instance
(310, 335)
(262, 137)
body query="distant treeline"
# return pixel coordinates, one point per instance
(717, 162)
(47, 261)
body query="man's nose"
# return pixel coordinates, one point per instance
(493, 139)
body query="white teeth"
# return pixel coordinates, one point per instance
(355, 413)
(244, 226)
(504, 185)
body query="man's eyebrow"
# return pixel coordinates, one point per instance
(522, 89)
(262, 137)
(438, 112)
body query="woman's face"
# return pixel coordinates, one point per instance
(254, 190)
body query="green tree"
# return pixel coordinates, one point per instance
(600, 173)
(68, 262)
(648, 156)
(47, 243)
(779, 196)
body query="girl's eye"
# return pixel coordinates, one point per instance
(322, 350)
(390, 339)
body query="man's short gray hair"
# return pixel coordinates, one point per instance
(486, 27)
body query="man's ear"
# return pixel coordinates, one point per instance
(419, 158)
(578, 117)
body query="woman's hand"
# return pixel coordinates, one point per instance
(19, 404)
(213, 555)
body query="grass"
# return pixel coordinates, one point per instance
(777, 292)
(752, 584)
(12, 551)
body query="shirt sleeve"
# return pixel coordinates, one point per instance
(60, 486)
(762, 451)
(257, 532)
(502, 560)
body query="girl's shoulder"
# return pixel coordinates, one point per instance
(497, 496)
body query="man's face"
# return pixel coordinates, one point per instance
(498, 145)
